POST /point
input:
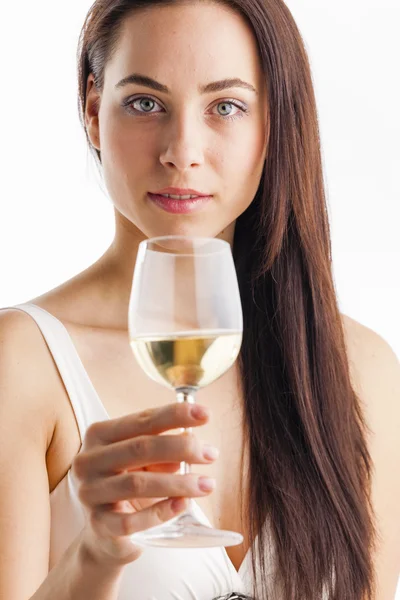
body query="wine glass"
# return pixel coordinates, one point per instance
(185, 329)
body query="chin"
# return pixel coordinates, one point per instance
(192, 229)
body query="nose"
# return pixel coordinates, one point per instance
(182, 148)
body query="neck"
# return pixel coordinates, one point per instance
(114, 270)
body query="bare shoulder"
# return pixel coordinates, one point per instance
(364, 341)
(24, 374)
(375, 368)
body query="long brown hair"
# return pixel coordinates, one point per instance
(309, 476)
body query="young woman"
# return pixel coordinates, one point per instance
(201, 98)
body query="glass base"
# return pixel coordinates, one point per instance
(185, 531)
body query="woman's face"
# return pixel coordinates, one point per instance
(173, 133)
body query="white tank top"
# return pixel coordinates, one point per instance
(159, 573)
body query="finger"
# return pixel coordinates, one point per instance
(122, 524)
(143, 451)
(151, 421)
(140, 484)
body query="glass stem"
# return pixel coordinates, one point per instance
(185, 395)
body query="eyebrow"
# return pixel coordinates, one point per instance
(215, 86)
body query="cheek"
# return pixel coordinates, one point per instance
(241, 166)
(253, 145)
(242, 159)
(126, 144)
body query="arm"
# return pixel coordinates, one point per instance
(376, 378)
(26, 428)
(78, 577)
(93, 565)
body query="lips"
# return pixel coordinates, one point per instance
(181, 192)
(177, 206)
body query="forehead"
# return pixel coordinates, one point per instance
(192, 42)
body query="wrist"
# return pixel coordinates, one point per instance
(91, 561)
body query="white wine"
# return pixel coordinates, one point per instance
(190, 359)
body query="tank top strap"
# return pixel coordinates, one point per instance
(84, 399)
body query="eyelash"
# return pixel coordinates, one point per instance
(126, 104)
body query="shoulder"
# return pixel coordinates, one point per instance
(374, 369)
(362, 341)
(375, 375)
(20, 338)
(25, 375)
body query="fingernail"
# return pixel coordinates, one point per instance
(199, 412)
(210, 452)
(206, 484)
(178, 504)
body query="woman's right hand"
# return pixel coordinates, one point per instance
(125, 467)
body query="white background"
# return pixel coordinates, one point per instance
(55, 216)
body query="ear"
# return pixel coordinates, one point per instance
(92, 108)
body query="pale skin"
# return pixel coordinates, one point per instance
(185, 142)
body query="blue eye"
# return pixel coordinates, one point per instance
(143, 101)
(229, 116)
(143, 105)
